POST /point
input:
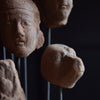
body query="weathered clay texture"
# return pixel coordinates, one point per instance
(61, 66)
(54, 13)
(10, 87)
(19, 26)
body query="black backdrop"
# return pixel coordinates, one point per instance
(81, 33)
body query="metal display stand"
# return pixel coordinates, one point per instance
(60, 94)
(48, 83)
(25, 70)
(25, 76)
(4, 53)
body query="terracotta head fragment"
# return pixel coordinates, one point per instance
(55, 13)
(10, 87)
(61, 66)
(19, 26)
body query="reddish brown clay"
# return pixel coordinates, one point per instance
(61, 66)
(55, 13)
(19, 26)
(10, 87)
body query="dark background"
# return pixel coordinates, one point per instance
(81, 33)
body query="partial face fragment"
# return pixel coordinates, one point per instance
(61, 66)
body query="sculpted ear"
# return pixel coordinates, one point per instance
(40, 40)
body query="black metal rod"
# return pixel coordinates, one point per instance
(4, 53)
(49, 36)
(12, 56)
(18, 65)
(48, 83)
(60, 94)
(48, 90)
(25, 71)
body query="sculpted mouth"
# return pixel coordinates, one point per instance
(20, 42)
(63, 5)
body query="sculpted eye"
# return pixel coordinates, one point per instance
(26, 23)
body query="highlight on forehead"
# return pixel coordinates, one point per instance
(29, 5)
(15, 6)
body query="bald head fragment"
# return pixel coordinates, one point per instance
(10, 87)
(19, 27)
(61, 66)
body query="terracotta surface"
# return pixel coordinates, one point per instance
(61, 66)
(10, 87)
(19, 27)
(54, 13)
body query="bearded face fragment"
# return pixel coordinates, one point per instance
(10, 87)
(20, 30)
(61, 66)
(55, 12)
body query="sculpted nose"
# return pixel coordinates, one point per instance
(19, 30)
